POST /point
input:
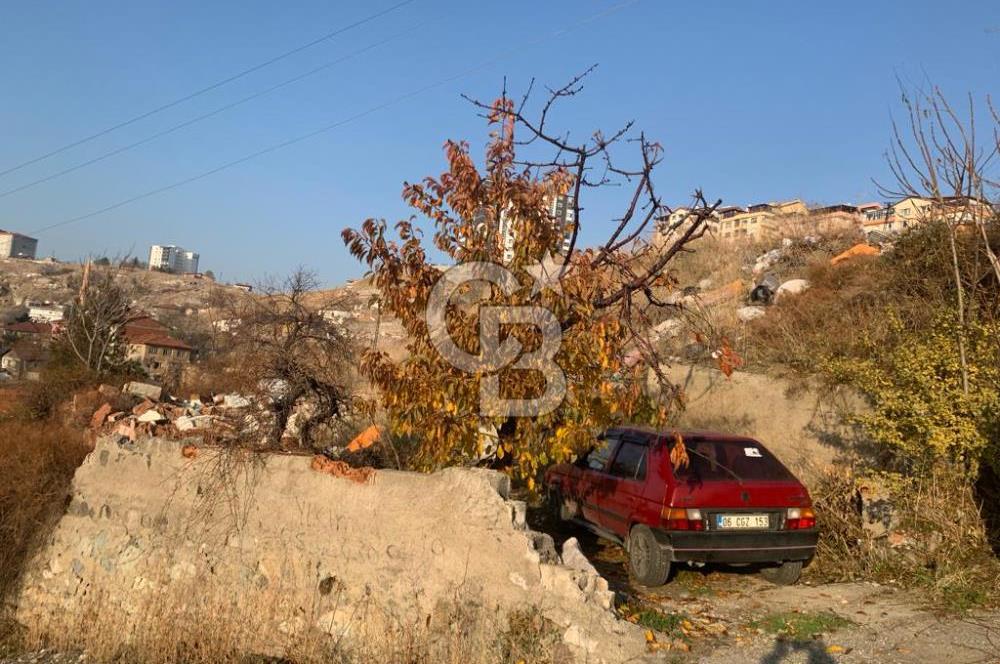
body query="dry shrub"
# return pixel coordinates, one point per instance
(940, 546)
(37, 462)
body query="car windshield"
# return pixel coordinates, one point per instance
(743, 460)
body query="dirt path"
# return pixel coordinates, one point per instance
(732, 616)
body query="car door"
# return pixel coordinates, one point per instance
(594, 480)
(625, 485)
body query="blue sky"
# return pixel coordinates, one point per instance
(751, 100)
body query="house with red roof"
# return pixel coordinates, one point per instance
(149, 343)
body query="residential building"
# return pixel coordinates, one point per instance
(667, 226)
(149, 343)
(30, 330)
(25, 359)
(15, 245)
(562, 215)
(45, 312)
(838, 218)
(754, 221)
(912, 211)
(171, 258)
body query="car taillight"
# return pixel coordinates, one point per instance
(678, 518)
(800, 518)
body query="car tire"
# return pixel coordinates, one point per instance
(647, 559)
(785, 574)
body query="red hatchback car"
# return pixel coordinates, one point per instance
(732, 502)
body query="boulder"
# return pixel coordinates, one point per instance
(791, 287)
(747, 314)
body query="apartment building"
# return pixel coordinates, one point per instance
(171, 258)
(912, 211)
(754, 221)
(561, 212)
(15, 245)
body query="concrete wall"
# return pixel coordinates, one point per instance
(152, 537)
(13, 245)
(804, 425)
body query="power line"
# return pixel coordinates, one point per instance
(213, 86)
(205, 116)
(339, 123)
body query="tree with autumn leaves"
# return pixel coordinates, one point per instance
(602, 297)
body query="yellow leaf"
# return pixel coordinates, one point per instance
(835, 649)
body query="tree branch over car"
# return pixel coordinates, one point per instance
(601, 296)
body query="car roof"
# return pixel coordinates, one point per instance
(704, 434)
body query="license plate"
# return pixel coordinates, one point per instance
(740, 521)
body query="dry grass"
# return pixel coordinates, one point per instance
(185, 625)
(941, 545)
(37, 462)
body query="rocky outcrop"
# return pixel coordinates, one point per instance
(153, 533)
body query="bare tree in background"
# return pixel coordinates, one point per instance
(941, 157)
(96, 319)
(296, 360)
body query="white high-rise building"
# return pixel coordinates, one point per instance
(171, 258)
(562, 214)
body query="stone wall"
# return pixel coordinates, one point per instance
(155, 536)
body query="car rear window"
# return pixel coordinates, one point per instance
(715, 460)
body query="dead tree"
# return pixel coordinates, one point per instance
(291, 356)
(93, 333)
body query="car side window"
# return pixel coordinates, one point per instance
(598, 457)
(630, 461)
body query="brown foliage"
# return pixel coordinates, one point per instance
(37, 462)
(605, 298)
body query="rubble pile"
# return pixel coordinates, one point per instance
(164, 416)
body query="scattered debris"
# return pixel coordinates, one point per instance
(188, 422)
(147, 390)
(364, 475)
(151, 416)
(766, 260)
(189, 451)
(791, 287)
(747, 314)
(573, 557)
(730, 291)
(765, 289)
(861, 249)
(365, 439)
(878, 513)
(100, 415)
(668, 328)
(235, 401)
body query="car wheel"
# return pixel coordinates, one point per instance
(784, 574)
(646, 558)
